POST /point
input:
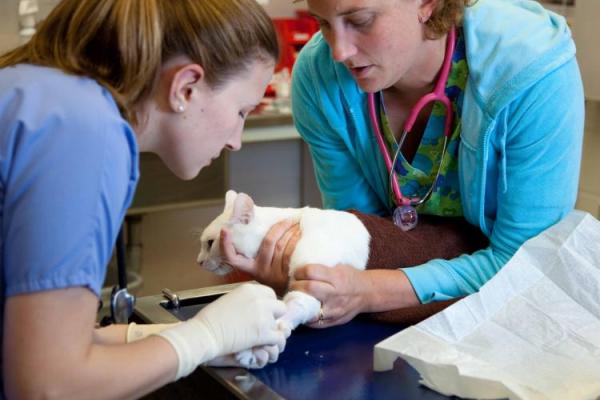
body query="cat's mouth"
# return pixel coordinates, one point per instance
(216, 266)
(223, 269)
(209, 265)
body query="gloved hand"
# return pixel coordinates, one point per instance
(256, 357)
(242, 319)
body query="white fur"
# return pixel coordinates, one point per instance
(328, 237)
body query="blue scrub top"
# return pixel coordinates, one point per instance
(68, 171)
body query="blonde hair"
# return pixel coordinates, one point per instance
(122, 44)
(446, 14)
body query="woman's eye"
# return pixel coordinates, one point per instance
(361, 22)
(210, 243)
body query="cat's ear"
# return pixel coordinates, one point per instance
(230, 197)
(243, 209)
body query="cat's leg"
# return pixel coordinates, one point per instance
(301, 308)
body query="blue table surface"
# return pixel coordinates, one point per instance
(336, 363)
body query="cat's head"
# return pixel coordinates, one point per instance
(239, 209)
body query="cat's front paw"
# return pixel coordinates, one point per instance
(257, 357)
(246, 359)
(223, 269)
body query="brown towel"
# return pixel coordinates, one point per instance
(434, 237)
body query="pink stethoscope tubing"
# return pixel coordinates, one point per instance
(438, 94)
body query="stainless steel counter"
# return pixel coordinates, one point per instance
(333, 363)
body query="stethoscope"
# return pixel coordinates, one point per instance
(405, 215)
(122, 302)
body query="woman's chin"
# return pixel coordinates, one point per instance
(369, 86)
(186, 174)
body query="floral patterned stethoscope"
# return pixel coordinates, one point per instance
(405, 214)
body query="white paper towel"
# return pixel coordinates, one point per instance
(532, 331)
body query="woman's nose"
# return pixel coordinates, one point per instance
(235, 142)
(342, 46)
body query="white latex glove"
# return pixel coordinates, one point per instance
(137, 332)
(254, 358)
(242, 319)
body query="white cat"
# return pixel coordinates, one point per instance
(328, 237)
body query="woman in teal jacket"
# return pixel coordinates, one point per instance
(512, 162)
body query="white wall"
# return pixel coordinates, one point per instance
(9, 23)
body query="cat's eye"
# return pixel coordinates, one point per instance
(210, 243)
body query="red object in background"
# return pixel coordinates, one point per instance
(293, 33)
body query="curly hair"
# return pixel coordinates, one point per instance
(446, 14)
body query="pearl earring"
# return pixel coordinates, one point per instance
(181, 108)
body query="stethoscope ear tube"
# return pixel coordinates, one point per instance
(121, 265)
(438, 94)
(400, 200)
(122, 302)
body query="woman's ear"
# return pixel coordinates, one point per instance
(184, 86)
(426, 9)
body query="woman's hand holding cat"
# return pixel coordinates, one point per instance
(343, 291)
(271, 265)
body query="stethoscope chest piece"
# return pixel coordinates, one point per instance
(405, 217)
(122, 304)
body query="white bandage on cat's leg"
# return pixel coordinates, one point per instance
(301, 308)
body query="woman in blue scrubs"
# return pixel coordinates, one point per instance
(99, 82)
(509, 164)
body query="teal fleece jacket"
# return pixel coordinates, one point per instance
(520, 150)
